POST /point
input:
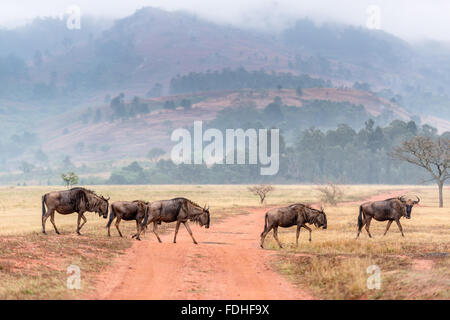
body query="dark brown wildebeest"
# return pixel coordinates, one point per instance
(390, 209)
(127, 211)
(79, 200)
(178, 209)
(296, 214)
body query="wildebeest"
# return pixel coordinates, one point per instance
(178, 209)
(127, 211)
(390, 209)
(296, 214)
(78, 200)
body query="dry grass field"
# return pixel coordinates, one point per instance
(333, 265)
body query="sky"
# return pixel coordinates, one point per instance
(411, 20)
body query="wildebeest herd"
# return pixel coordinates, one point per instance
(81, 200)
(181, 210)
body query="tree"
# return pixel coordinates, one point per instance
(186, 104)
(156, 91)
(262, 190)
(431, 154)
(27, 167)
(155, 153)
(330, 193)
(67, 163)
(69, 179)
(37, 58)
(169, 105)
(299, 91)
(118, 105)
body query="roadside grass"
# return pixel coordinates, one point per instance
(34, 266)
(334, 265)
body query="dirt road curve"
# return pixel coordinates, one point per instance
(227, 264)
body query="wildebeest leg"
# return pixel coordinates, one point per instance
(138, 231)
(176, 231)
(78, 223)
(387, 227)
(400, 227)
(84, 221)
(155, 226)
(190, 232)
(368, 219)
(275, 235)
(117, 226)
(44, 219)
(297, 235)
(52, 219)
(264, 234)
(309, 229)
(360, 228)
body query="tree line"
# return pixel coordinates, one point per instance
(342, 155)
(240, 78)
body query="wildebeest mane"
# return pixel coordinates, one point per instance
(190, 201)
(81, 194)
(78, 196)
(305, 206)
(140, 201)
(86, 191)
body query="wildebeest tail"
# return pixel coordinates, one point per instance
(265, 223)
(43, 205)
(360, 222)
(111, 217)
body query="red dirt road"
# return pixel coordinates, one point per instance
(226, 264)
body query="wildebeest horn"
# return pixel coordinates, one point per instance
(402, 198)
(418, 200)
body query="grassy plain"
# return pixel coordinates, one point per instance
(332, 266)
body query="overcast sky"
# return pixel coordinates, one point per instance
(409, 19)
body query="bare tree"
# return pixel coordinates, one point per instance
(262, 190)
(431, 154)
(330, 193)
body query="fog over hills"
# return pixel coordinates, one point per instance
(54, 79)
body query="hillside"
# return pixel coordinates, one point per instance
(153, 46)
(56, 94)
(133, 138)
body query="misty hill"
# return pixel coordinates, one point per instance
(130, 131)
(60, 89)
(153, 46)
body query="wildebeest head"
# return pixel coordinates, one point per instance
(321, 219)
(204, 218)
(103, 207)
(408, 203)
